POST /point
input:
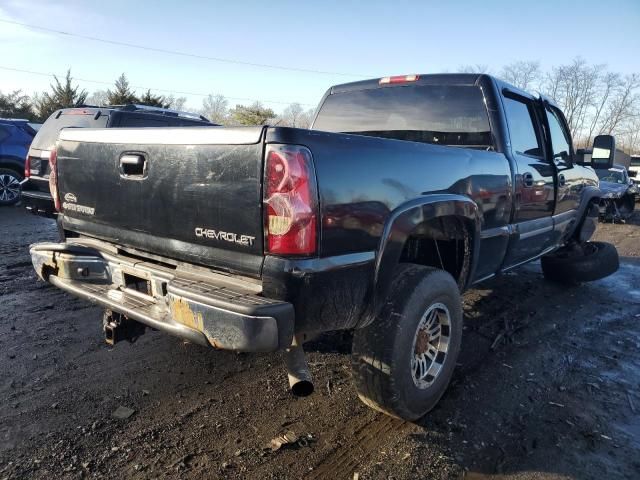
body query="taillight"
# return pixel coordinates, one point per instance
(27, 166)
(291, 201)
(53, 178)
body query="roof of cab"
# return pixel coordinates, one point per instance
(428, 79)
(462, 79)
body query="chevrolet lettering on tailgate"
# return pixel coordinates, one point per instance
(231, 237)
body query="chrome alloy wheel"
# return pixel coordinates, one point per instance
(430, 345)
(9, 188)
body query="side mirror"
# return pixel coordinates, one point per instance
(604, 150)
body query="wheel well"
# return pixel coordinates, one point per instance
(585, 225)
(443, 242)
(12, 166)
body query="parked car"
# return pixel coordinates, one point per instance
(15, 137)
(406, 191)
(619, 194)
(35, 190)
(634, 171)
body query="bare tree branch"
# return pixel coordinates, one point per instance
(524, 75)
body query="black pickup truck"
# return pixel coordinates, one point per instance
(406, 191)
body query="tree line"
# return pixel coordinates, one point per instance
(594, 100)
(63, 93)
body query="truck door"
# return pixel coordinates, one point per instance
(569, 179)
(534, 181)
(570, 182)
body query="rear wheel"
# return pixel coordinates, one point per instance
(584, 262)
(404, 360)
(9, 186)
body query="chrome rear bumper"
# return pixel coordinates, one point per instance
(202, 307)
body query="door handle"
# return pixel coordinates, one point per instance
(527, 179)
(561, 180)
(133, 165)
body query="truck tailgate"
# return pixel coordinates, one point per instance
(189, 193)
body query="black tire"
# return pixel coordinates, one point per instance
(582, 263)
(382, 352)
(8, 180)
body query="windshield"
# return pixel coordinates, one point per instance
(613, 176)
(441, 114)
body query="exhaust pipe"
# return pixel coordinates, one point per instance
(300, 380)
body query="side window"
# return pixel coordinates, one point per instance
(560, 142)
(520, 117)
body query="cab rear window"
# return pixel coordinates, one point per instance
(453, 115)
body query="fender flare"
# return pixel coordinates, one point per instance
(588, 195)
(402, 222)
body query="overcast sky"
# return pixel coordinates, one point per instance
(354, 40)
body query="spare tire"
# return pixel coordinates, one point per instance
(581, 263)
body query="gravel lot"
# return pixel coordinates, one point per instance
(548, 387)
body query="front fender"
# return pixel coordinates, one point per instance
(403, 221)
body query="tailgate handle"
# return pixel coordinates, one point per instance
(133, 165)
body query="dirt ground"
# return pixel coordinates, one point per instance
(547, 387)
